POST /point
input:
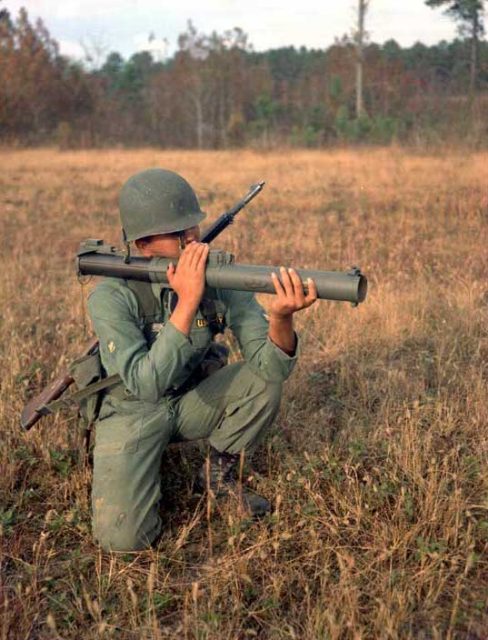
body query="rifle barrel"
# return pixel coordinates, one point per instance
(227, 218)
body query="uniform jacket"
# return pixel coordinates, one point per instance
(156, 360)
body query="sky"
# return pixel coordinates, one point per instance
(127, 26)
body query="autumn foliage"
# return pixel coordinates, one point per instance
(217, 92)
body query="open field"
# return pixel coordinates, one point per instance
(377, 465)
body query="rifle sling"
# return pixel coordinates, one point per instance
(78, 396)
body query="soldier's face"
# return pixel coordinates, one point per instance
(168, 245)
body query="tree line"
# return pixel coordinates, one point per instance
(217, 92)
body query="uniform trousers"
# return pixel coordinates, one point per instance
(233, 408)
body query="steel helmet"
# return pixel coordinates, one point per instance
(157, 201)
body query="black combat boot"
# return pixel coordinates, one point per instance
(219, 474)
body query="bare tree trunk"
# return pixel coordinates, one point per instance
(197, 101)
(222, 119)
(473, 72)
(360, 37)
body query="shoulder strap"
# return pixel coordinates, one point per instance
(149, 305)
(76, 397)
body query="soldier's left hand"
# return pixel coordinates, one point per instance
(290, 296)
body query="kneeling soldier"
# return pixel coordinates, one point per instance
(160, 342)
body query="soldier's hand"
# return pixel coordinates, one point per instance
(187, 278)
(290, 296)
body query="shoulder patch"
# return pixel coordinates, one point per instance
(111, 346)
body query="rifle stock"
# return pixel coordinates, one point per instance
(36, 407)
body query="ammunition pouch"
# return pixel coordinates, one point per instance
(216, 357)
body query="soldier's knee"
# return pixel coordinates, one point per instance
(267, 391)
(122, 540)
(122, 535)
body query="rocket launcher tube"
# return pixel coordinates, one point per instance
(97, 259)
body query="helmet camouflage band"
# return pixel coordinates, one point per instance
(157, 201)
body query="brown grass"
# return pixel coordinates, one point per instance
(377, 464)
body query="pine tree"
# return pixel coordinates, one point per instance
(470, 16)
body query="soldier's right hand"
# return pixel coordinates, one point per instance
(187, 278)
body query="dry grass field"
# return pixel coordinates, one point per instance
(377, 465)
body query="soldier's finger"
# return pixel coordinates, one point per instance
(194, 249)
(185, 256)
(287, 283)
(312, 291)
(202, 256)
(277, 284)
(297, 286)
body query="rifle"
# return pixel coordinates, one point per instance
(227, 218)
(39, 405)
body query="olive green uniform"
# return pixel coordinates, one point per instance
(161, 400)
